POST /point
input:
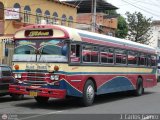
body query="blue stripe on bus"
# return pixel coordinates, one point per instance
(116, 85)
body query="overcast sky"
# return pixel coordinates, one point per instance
(149, 8)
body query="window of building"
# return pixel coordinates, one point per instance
(106, 55)
(17, 5)
(27, 12)
(70, 21)
(120, 56)
(47, 17)
(132, 58)
(63, 21)
(55, 18)
(158, 42)
(38, 15)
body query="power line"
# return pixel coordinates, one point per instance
(141, 8)
(140, 5)
(79, 3)
(140, 1)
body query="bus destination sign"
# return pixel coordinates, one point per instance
(39, 33)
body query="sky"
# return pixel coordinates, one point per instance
(149, 8)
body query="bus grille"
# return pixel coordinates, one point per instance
(36, 78)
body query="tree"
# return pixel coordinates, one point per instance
(122, 28)
(139, 27)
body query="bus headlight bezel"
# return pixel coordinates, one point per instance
(54, 77)
(18, 75)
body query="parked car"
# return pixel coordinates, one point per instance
(6, 78)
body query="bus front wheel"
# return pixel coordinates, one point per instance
(139, 87)
(17, 96)
(88, 93)
(41, 100)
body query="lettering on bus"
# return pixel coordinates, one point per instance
(39, 33)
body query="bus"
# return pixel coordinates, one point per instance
(53, 61)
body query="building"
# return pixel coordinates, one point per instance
(105, 23)
(15, 14)
(155, 40)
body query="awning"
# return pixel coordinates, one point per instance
(84, 6)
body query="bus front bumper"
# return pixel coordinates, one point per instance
(37, 91)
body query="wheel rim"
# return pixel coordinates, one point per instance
(90, 93)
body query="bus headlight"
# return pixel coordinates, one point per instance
(52, 77)
(56, 77)
(18, 75)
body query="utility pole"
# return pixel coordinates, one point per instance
(94, 4)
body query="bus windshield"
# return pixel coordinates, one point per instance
(25, 50)
(41, 50)
(51, 50)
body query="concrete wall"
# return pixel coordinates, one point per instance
(104, 23)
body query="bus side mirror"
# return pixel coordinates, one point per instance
(6, 52)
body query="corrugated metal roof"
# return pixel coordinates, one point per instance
(64, 3)
(85, 6)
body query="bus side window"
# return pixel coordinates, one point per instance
(86, 53)
(153, 60)
(143, 59)
(132, 58)
(149, 61)
(121, 56)
(107, 55)
(75, 53)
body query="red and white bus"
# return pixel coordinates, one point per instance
(57, 61)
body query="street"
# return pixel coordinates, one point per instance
(117, 103)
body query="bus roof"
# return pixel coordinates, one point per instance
(86, 36)
(96, 38)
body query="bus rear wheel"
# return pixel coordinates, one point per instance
(41, 100)
(88, 93)
(139, 87)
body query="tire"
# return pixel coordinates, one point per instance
(139, 87)
(88, 93)
(41, 100)
(17, 97)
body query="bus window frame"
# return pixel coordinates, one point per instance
(121, 64)
(92, 45)
(107, 63)
(99, 63)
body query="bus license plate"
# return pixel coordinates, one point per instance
(34, 94)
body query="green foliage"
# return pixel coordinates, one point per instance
(122, 28)
(139, 27)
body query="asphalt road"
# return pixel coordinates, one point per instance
(110, 106)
